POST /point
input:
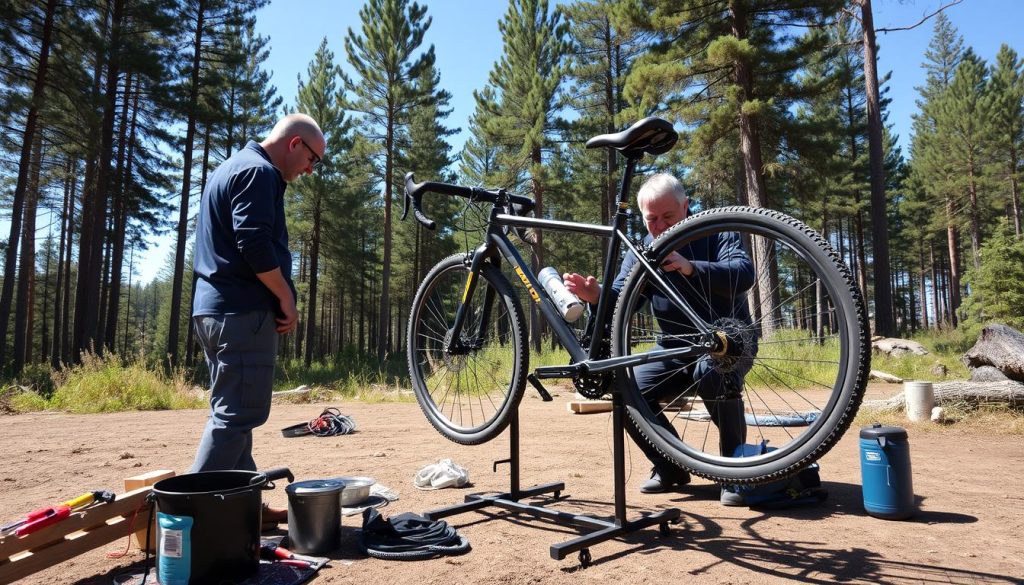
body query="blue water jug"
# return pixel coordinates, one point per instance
(885, 472)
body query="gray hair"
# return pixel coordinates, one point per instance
(659, 185)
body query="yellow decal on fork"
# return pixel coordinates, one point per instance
(529, 287)
(465, 293)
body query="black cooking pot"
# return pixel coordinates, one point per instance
(223, 512)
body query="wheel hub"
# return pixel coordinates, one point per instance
(737, 345)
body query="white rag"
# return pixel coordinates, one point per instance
(444, 473)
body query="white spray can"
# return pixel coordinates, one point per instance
(567, 303)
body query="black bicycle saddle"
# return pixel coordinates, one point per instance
(650, 135)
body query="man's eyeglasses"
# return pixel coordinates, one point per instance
(316, 157)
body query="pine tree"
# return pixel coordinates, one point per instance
(941, 59)
(997, 283)
(1006, 87)
(525, 81)
(709, 69)
(962, 135)
(321, 98)
(601, 55)
(384, 60)
(36, 101)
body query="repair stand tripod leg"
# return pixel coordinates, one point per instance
(605, 529)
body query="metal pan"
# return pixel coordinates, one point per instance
(357, 490)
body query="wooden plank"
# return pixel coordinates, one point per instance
(26, 563)
(140, 481)
(589, 406)
(125, 505)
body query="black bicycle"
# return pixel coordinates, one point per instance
(802, 339)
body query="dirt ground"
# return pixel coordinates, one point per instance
(970, 486)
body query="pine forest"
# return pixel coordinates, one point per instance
(116, 112)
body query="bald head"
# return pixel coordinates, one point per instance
(295, 145)
(296, 124)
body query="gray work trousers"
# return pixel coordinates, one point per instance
(240, 350)
(722, 395)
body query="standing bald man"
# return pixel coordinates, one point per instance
(245, 297)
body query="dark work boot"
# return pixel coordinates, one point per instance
(662, 482)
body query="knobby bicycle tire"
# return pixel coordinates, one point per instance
(468, 397)
(784, 360)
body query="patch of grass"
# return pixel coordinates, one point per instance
(109, 384)
(350, 376)
(996, 419)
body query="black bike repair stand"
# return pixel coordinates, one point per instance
(605, 529)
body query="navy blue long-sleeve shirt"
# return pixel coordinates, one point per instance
(241, 232)
(722, 273)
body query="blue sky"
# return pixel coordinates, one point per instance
(467, 43)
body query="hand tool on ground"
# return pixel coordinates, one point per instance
(280, 554)
(55, 513)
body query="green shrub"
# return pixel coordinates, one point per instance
(37, 378)
(106, 384)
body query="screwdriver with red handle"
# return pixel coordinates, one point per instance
(42, 517)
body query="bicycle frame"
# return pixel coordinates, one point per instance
(586, 360)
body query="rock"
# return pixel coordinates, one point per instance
(987, 374)
(897, 347)
(940, 370)
(999, 346)
(884, 376)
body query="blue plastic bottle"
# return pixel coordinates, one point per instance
(885, 472)
(174, 549)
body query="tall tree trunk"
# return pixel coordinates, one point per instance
(94, 214)
(861, 263)
(937, 309)
(884, 324)
(1015, 191)
(58, 295)
(953, 244)
(128, 300)
(101, 321)
(384, 318)
(120, 211)
(922, 284)
(65, 327)
(314, 268)
(186, 188)
(972, 192)
(44, 345)
(24, 301)
(753, 172)
(190, 344)
(611, 157)
(538, 247)
(18, 202)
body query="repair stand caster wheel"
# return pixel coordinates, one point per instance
(664, 529)
(585, 558)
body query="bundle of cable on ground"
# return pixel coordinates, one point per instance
(331, 422)
(408, 537)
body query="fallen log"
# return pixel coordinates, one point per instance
(895, 346)
(884, 376)
(960, 392)
(999, 346)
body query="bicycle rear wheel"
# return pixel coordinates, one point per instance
(798, 352)
(470, 394)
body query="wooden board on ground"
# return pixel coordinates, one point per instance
(84, 530)
(589, 406)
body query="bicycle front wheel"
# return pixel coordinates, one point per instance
(794, 365)
(468, 394)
